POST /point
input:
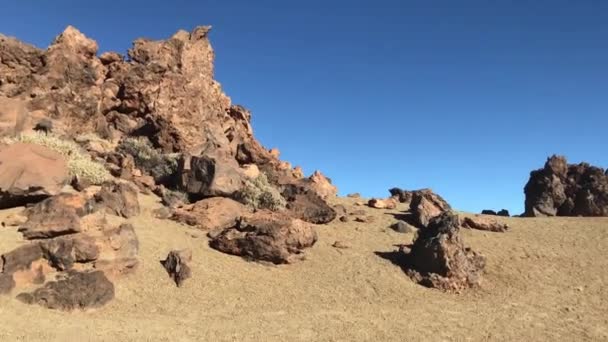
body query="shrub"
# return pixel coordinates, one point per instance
(147, 158)
(79, 162)
(259, 194)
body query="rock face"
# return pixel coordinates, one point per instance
(322, 185)
(267, 236)
(176, 265)
(29, 173)
(439, 259)
(426, 205)
(79, 290)
(484, 223)
(562, 189)
(211, 213)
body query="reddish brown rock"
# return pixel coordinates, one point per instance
(267, 236)
(426, 205)
(562, 189)
(439, 259)
(211, 213)
(118, 199)
(118, 250)
(305, 204)
(484, 223)
(401, 195)
(30, 173)
(77, 290)
(176, 265)
(49, 219)
(203, 177)
(322, 186)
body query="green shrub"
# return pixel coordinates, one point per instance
(148, 159)
(79, 162)
(259, 194)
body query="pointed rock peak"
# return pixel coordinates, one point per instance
(200, 32)
(76, 41)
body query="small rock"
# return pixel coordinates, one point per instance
(340, 245)
(389, 203)
(354, 195)
(176, 265)
(484, 223)
(14, 220)
(343, 219)
(403, 227)
(503, 212)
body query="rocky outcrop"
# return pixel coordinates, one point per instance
(426, 205)
(562, 189)
(177, 266)
(211, 213)
(404, 196)
(30, 173)
(305, 204)
(267, 236)
(439, 259)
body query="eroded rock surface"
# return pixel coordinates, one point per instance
(177, 266)
(426, 205)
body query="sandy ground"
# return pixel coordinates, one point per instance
(546, 280)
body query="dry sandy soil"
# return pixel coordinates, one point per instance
(546, 280)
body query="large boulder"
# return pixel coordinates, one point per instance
(305, 204)
(205, 176)
(562, 189)
(404, 196)
(77, 290)
(30, 173)
(426, 205)
(267, 236)
(439, 259)
(322, 185)
(484, 223)
(118, 199)
(211, 213)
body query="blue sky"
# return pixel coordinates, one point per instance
(465, 97)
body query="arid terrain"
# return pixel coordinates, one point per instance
(544, 281)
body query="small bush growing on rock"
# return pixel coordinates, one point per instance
(259, 194)
(158, 165)
(79, 162)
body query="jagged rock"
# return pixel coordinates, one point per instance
(439, 259)
(176, 265)
(502, 212)
(118, 199)
(403, 227)
(29, 173)
(488, 212)
(211, 213)
(306, 205)
(79, 290)
(426, 205)
(203, 177)
(562, 189)
(484, 223)
(118, 249)
(403, 196)
(354, 195)
(322, 186)
(389, 203)
(51, 218)
(62, 252)
(267, 236)
(23, 263)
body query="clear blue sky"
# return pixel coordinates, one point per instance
(465, 97)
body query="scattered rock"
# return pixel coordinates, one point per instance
(340, 245)
(343, 218)
(30, 173)
(162, 213)
(403, 227)
(426, 205)
(118, 250)
(488, 212)
(388, 203)
(51, 218)
(439, 259)
(562, 189)
(365, 219)
(14, 220)
(267, 236)
(79, 290)
(484, 223)
(62, 252)
(211, 213)
(322, 186)
(118, 199)
(176, 265)
(354, 195)
(204, 176)
(503, 212)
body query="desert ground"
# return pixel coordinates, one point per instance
(545, 280)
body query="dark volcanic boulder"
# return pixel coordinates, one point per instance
(79, 290)
(176, 265)
(203, 177)
(503, 212)
(439, 259)
(403, 196)
(561, 189)
(305, 204)
(118, 199)
(426, 205)
(267, 236)
(488, 212)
